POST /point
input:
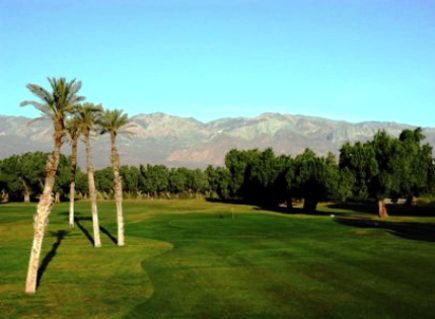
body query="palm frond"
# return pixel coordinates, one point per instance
(60, 101)
(40, 92)
(113, 121)
(43, 108)
(35, 120)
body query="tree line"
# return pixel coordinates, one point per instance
(384, 167)
(22, 179)
(381, 168)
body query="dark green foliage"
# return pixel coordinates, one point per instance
(154, 179)
(237, 163)
(81, 182)
(62, 184)
(359, 162)
(380, 168)
(23, 175)
(103, 179)
(315, 178)
(416, 163)
(219, 180)
(389, 167)
(130, 179)
(177, 180)
(261, 177)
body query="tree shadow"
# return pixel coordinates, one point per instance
(422, 210)
(83, 229)
(225, 201)
(277, 209)
(298, 211)
(111, 237)
(60, 235)
(408, 230)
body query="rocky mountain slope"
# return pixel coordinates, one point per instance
(178, 141)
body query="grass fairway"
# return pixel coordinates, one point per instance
(194, 259)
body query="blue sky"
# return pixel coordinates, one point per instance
(347, 59)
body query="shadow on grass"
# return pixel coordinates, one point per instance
(226, 201)
(298, 211)
(111, 237)
(277, 209)
(60, 235)
(83, 229)
(423, 210)
(408, 230)
(87, 233)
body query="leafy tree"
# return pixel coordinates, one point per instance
(265, 178)
(388, 167)
(196, 181)
(177, 180)
(55, 105)
(359, 162)
(31, 173)
(17, 185)
(130, 179)
(104, 180)
(81, 183)
(23, 175)
(219, 181)
(417, 162)
(237, 163)
(390, 155)
(315, 178)
(154, 179)
(62, 184)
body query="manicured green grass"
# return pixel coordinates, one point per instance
(194, 259)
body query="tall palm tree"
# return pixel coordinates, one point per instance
(55, 105)
(89, 115)
(73, 130)
(114, 122)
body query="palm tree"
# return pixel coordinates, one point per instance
(73, 130)
(55, 105)
(113, 122)
(88, 115)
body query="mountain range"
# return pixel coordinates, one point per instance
(178, 141)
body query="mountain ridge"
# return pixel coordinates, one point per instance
(162, 138)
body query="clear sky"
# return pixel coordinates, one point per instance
(346, 59)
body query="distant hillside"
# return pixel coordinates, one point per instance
(178, 141)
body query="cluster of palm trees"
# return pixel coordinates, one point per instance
(71, 117)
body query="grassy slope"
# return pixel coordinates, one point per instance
(191, 259)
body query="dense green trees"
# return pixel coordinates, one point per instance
(263, 178)
(22, 176)
(389, 167)
(383, 168)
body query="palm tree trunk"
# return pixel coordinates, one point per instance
(92, 192)
(72, 188)
(43, 210)
(117, 185)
